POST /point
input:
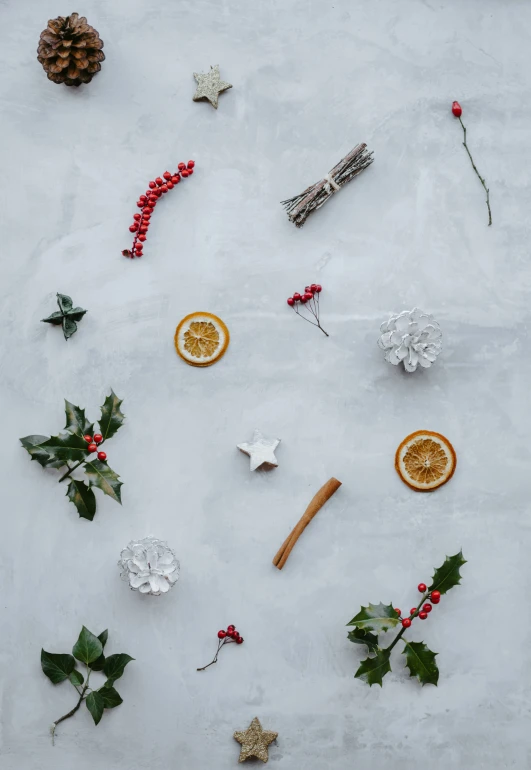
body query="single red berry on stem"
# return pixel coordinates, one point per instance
(222, 634)
(239, 640)
(170, 185)
(88, 439)
(230, 628)
(456, 109)
(318, 288)
(98, 438)
(159, 181)
(92, 448)
(142, 238)
(181, 166)
(191, 163)
(308, 295)
(423, 615)
(102, 456)
(137, 217)
(164, 188)
(406, 623)
(427, 608)
(152, 185)
(184, 173)
(303, 299)
(291, 301)
(166, 175)
(296, 296)
(412, 610)
(398, 611)
(313, 287)
(421, 587)
(435, 595)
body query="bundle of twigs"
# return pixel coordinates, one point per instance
(301, 206)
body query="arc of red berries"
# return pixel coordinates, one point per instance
(157, 188)
(230, 636)
(309, 299)
(93, 443)
(434, 596)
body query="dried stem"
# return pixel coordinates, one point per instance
(221, 642)
(477, 172)
(76, 707)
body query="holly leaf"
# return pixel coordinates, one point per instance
(88, 647)
(76, 677)
(97, 665)
(65, 303)
(447, 576)
(376, 617)
(83, 498)
(114, 667)
(76, 422)
(66, 446)
(95, 705)
(111, 416)
(57, 667)
(359, 636)
(111, 698)
(421, 662)
(372, 670)
(55, 318)
(33, 445)
(102, 476)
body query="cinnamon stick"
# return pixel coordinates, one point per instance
(317, 502)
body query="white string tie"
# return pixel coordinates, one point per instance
(329, 184)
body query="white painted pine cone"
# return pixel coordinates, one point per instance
(411, 337)
(149, 566)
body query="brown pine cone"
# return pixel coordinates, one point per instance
(70, 50)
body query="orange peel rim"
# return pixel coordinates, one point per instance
(222, 349)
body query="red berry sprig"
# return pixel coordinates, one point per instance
(422, 610)
(230, 636)
(93, 444)
(457, 111)
(309, 299)
(146, 203)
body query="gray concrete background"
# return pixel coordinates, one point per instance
(311, 79)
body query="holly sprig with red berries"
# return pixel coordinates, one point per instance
(308, 299)
(380, 618)
(76, 446)
(230, 636)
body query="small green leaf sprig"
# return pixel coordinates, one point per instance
(75, 446)
(88, 650)
(377, 618)
(66, 316)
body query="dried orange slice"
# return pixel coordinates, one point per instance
(425, 460)
(201, 339)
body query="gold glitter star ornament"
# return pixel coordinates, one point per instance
(210, 85)
(254, 741)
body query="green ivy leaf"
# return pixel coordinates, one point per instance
(88, 647)
(114, 667)
(372, 670)
(376, 617)
(95, 705)
(65, 303)
(66, 446)
(76, 422)
(83, 498)
(103, 637)
(111, 698)
(33, 445)
(102, 476)
(76, 677)
(57, 667)
(359, 636)
(421, 662)
(447, 576)
(111, 416)
(97, 665)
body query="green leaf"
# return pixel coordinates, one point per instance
(76, 677)
(97, 665)
(83, 498)
(95, 705)
(76, 314)
(76, 422)
(57, 667)
(358, 636)
(102, 476)
(103, 637)
(55, 318)
(69, 327)
(421, 662)
(448, 576)
(88, 647)
(66, 446)
(65, 303)
(376, 617)
(33, 445)
(111, 416)
(114, 666)
(111, 698)
(372, 670)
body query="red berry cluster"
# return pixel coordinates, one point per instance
(309, 299)
(434, 596)
(147, 203)
(93, 445)
(230, 636)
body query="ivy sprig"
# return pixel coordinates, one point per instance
(379, 618)
(88, 650)
(72, 447)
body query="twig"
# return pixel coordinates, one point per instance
(53, 728)
(475, 169)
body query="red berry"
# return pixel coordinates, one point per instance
(133, 228)
(435, 596)
(456, 109)
(318, 288)
(176, 179)
(143, 229)
(313, 287)
(137, 217)
(138, 253)
(303, 299)
(427, 608)
(166, 175)
(191, 163)
(102, 456)
(239, 640)
(142, 238)
(170, 185)
(308, 295)
(159, 181)
(435, 601)
(412, 610)
(190, 171)
(152, 185)
(143, 198)
(184, 173)
(140, 204)
(423, 615)
(181, 166)
(296, 296)
(291, 301)
(98, 438)
(406, 622)
(222, 634)
(88, 439)
(398, 610)
(230, 628)
(421, 587)
(92, 447)
(164, 188)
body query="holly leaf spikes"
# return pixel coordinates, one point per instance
(76, 422)
(358, 636)
(34, 446)
(376, 617)
(447, 576)
(102, 476)
(111, 417)
(67, 316)
(421, 662)
(83, 498)
(372, 670)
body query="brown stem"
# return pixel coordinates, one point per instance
(220, 645)
(70, 713)
(477, 172)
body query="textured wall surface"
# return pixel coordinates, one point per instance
(311, 79)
